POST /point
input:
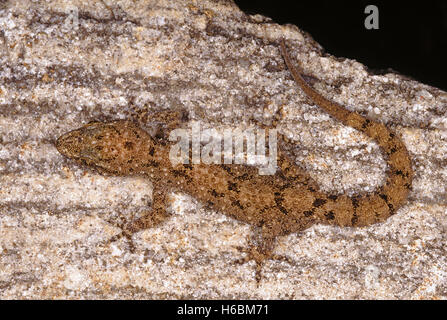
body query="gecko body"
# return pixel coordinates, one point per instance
(288, 201)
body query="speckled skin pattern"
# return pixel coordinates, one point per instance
(288, 201)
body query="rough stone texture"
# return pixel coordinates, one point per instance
(63, 64)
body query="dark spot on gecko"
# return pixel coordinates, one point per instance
(115, 129)
(180, 173)
(243, 177)
(281, 175)
(319, 202)
(285, 186)
(152, 163)
(187, 166)
(151, 151)
(392, 150)
(400, 173)
(282, 209)
(407, 185)
(160, 138)
(330, 215)
(226, 168)
(355, 203)
(354, 219)
(308, 213)
(333, 197)
(216, 194)
(237, 204)
(278, 200)
(366, 124)
(232, 187)
(311, 189)
(391, 207)
(264, 209)
(392, 135)
(210, 203)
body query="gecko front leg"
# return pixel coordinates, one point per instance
(151, 218)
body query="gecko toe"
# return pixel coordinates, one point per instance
(123, 234)
(259, 255)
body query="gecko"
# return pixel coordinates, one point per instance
(289, 201)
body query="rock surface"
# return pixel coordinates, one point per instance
(64, 64)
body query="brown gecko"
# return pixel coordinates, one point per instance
(288, 201)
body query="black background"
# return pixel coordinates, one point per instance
(412, 36)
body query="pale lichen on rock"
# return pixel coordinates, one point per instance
(63, 64)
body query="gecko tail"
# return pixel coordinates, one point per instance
(376, 206)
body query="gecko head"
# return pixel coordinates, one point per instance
(117, 147)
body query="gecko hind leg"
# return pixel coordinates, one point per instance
(151, 218)
(260, 250)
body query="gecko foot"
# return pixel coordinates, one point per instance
(254, 254)
(125, 233)
(150, 219)
(259, 254)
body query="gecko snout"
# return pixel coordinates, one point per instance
(117, 146)
(67, 143)
(83, 143)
